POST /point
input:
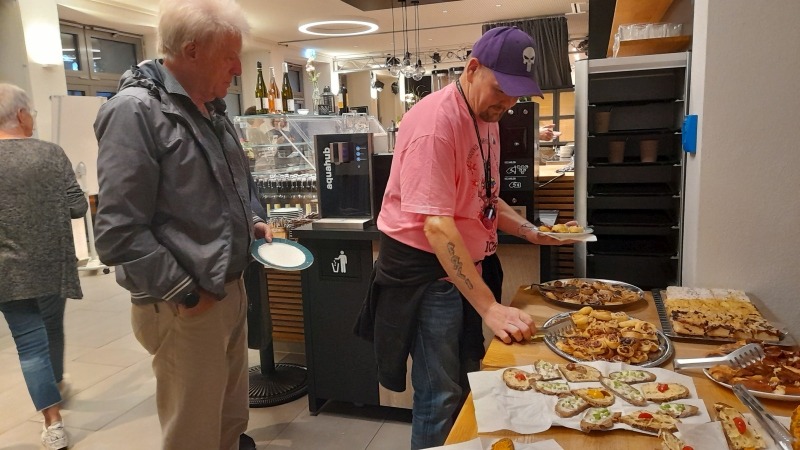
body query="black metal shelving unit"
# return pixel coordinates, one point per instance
(635, 207)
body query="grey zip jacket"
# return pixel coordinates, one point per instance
(163, 217)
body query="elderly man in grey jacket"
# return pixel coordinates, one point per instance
(174, 217)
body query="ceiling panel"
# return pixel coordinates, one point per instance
(443, 24)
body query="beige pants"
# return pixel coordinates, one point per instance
(200, 364)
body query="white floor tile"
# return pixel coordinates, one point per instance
(112, 405)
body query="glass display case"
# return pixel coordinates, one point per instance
(280, 148)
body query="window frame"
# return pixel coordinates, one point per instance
(86, 79)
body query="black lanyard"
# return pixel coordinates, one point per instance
(487, 161)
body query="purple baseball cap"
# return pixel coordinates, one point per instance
(510, 53)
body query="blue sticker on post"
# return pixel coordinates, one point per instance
(689, 134)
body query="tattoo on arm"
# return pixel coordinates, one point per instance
(524, 229)
(457, 264)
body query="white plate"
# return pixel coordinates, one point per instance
(282, 254)
(761, 394)
(587, 233)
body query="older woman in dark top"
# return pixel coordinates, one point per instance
(37, 255)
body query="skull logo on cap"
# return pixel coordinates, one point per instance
(528, 56)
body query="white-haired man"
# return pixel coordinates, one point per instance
(174, 217)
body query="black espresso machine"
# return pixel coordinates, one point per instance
(344, 180)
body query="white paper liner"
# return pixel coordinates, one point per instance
(710, 435)
(499, 408)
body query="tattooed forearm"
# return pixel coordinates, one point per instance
(457, 264)
(524, 229)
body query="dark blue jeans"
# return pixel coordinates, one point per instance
(436, 366)
(33, 322)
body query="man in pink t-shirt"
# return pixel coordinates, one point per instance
(439, 219)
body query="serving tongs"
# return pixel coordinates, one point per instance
(551, 288)
(555, 329)
(740, 358)
(775, 429)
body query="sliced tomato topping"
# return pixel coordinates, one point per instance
(687, 447)
(645, 415)
(741, 425)
(662, 387)
(520, 376)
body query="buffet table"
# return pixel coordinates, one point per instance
(500, 355)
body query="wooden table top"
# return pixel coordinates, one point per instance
(500, 355)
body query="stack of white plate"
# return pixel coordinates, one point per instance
(286, 213)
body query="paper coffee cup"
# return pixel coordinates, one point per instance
(601, 121)
(616, 152)
(648, 150)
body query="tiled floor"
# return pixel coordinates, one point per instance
(112, 403)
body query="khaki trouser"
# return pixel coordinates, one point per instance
(200, 364)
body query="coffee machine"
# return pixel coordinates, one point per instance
(519, 157)
(344, 180)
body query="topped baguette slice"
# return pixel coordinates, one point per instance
(517, 379)
(551, 387)
(569, 405)
(596, 397)
(664, 392)
(649, 421)
(598, 419)
(732, 420)
(578, 373)
(678, 410)
(547, 370)
(669, 441)
(624, 390)
(633, 376)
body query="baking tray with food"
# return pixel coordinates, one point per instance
(595, 292)
(594, 396)
(715, 316)
(602, 335)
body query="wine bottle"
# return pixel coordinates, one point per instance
(261, 89)
(341, 99)
(287, 98)
(272, 93)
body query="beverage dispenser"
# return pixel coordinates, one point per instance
(344, 180)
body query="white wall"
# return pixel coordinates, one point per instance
(742, 206)
(31, 55)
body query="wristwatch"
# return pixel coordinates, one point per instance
(190, 300)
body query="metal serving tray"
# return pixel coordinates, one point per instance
(666, 326)
(665, 348)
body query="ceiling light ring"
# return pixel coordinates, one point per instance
(367, 27)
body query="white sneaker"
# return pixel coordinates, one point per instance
(54, 437)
